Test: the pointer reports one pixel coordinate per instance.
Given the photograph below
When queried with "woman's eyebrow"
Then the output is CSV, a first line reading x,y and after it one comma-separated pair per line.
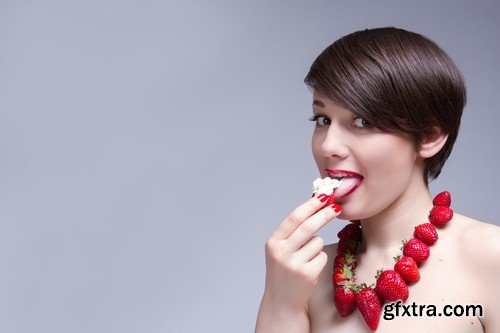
x,y
318,103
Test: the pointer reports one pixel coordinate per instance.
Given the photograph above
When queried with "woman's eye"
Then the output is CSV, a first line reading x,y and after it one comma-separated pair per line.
x,y
320,120
361,123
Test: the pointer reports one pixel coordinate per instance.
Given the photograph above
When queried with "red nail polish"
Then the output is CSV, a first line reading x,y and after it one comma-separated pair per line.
x,y
322,197
336,208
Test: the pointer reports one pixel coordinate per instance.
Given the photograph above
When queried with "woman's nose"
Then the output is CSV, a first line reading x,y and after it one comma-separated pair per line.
x,y
335,143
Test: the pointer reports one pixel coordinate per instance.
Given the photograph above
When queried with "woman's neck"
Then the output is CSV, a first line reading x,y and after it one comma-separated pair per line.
x,y
395,223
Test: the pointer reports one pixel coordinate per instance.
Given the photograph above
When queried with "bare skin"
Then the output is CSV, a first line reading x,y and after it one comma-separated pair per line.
x,y
463,267
454,274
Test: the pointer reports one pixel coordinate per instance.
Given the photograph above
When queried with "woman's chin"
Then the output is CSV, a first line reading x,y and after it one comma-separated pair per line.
x,y
347,216
350,211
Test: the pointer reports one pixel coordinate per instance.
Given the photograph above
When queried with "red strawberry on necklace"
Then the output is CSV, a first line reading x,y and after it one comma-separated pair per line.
x,y
347,245
345,298
341,274
442,199
350,231
369,305
426,233
416,249
391,284
440,215
344,259
407,268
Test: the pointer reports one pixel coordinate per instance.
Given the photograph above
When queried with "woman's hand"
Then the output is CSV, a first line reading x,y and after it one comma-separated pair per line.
x,y
295,257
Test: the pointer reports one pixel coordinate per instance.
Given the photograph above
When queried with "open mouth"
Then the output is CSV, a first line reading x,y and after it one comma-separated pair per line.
x,y
349,182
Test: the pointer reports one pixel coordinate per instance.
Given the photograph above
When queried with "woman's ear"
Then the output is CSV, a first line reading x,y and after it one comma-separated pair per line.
x,y
432,142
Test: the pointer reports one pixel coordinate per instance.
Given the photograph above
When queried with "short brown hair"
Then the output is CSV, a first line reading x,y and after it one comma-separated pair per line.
x,y
397,80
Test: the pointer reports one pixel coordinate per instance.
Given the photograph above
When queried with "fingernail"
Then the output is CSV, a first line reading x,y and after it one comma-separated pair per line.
x,y
336,208
322,197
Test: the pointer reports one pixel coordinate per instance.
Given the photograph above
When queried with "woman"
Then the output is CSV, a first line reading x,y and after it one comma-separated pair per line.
x,y
387,105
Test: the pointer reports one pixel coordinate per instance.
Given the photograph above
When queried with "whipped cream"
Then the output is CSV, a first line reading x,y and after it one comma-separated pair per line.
x,y
325,185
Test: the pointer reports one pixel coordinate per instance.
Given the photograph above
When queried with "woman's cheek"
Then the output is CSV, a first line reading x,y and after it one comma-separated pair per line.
x,y
393,156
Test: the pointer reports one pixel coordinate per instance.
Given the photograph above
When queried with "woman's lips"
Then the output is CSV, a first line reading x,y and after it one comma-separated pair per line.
x,y
335,172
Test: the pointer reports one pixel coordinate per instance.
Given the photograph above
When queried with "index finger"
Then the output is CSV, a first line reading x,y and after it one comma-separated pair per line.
x,y
297,217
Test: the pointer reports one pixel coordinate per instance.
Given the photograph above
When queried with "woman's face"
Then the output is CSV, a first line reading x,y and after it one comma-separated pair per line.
x,y
386,161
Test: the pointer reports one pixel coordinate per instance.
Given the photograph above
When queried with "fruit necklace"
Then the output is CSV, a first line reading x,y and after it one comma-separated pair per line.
x,y
391,284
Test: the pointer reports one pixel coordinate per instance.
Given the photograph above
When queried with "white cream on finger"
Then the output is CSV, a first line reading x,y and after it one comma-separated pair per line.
x,y
326,185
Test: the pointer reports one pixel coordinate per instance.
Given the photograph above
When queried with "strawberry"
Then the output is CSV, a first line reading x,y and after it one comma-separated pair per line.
x,y
416,249
370,306
344,299
426,233
407,268
344,259
442,199
341,274
347,245
440,215
350,231
391,286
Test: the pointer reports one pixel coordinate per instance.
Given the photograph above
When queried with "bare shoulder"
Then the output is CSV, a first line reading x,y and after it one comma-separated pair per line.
x,y
479,248
478,241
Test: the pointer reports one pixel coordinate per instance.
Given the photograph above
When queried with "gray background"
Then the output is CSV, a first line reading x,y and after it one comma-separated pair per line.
x,y
149,148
